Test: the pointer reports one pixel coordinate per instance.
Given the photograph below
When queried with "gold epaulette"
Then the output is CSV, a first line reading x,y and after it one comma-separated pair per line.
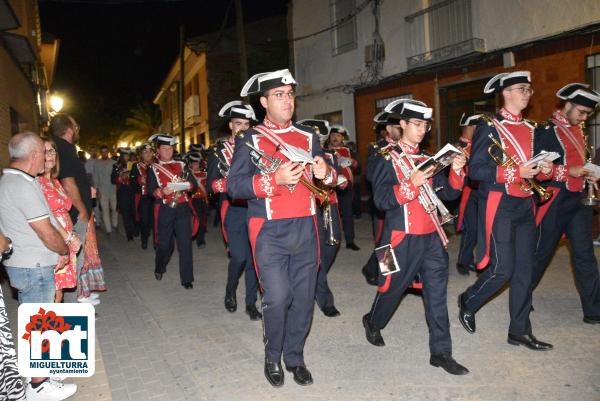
x,y
374,145
487,119
531,122
385,152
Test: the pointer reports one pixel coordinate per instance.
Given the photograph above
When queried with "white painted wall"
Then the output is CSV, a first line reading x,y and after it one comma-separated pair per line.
x,y
501,23
510,22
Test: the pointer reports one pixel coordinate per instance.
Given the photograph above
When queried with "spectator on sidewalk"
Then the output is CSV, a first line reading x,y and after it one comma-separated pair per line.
x,y
38,247
74,180
107,191
60,204
89,169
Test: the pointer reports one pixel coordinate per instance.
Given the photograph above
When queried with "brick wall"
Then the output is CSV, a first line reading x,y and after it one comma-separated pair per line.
x,y
16,93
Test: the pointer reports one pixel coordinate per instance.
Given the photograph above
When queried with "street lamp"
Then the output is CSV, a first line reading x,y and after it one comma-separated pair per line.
x,y
56,103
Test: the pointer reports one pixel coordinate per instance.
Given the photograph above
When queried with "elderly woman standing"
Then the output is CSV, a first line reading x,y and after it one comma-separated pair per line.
x,y
60,204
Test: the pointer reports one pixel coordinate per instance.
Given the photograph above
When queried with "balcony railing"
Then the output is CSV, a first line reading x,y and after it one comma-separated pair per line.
x,y
441,32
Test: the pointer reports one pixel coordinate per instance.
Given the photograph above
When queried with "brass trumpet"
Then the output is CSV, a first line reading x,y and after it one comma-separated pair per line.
x,y
322,195
530,185
590,199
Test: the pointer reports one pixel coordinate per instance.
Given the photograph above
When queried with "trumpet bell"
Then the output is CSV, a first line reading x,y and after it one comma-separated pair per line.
x,y
593,201
447,218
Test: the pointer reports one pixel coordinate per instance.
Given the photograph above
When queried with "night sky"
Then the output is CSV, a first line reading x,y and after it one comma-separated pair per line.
x,y
115,54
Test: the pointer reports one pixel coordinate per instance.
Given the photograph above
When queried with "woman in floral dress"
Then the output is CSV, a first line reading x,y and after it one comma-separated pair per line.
x,y
60,204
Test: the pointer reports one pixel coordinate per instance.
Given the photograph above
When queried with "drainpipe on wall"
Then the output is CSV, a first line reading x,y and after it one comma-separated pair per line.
x,y
436,107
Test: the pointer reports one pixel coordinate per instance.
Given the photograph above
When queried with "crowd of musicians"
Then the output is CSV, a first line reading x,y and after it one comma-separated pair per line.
x,y
283,191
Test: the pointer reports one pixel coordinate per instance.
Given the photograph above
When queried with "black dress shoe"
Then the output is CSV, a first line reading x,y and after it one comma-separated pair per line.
x,y
529,341
353,246
301,375
253,312
371,280
201,244
158,276
591,319
273,373
462,269
230,303
446,362
188,286
331,311
467,319
373,334
145,245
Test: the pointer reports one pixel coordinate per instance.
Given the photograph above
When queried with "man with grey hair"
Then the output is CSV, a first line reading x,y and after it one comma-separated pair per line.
x,y
38,248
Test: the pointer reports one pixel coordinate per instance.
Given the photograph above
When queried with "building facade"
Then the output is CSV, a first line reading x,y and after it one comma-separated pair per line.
x,y
439,51
26,70
195,107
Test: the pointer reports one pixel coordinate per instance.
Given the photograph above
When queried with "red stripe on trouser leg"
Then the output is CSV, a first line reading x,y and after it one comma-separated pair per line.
x,y
224,207
543,209
464,199
490,213
254,226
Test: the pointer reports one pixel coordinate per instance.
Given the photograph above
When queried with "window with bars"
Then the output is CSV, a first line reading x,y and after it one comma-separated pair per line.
x,y
592,73
343,37
381,103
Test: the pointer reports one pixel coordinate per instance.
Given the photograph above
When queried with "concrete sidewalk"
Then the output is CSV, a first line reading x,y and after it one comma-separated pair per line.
x,y
161,342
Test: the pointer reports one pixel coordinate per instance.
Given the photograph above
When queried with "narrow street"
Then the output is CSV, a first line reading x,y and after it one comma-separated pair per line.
x,y
161,342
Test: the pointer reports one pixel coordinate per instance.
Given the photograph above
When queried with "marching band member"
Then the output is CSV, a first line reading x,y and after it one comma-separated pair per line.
x,y
387,123
467,214
330,230
414,231
200,196
125,195
234,212
282,223
506,218
173,214
337,135
143,199
565,213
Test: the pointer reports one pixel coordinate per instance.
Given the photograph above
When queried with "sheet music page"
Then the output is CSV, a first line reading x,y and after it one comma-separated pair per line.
x,y
296,154
543,155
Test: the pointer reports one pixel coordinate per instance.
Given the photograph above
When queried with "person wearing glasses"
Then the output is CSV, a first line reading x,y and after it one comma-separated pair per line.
x,y
565,213
506,240
275,178
74,179
413,230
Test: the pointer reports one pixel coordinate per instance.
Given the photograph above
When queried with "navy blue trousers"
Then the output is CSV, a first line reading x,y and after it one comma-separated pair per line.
x,y
345,206
566,215
201,208
468,238
286,255
126,206
512,246
424,255
175,223
323,294
146,213
240,253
